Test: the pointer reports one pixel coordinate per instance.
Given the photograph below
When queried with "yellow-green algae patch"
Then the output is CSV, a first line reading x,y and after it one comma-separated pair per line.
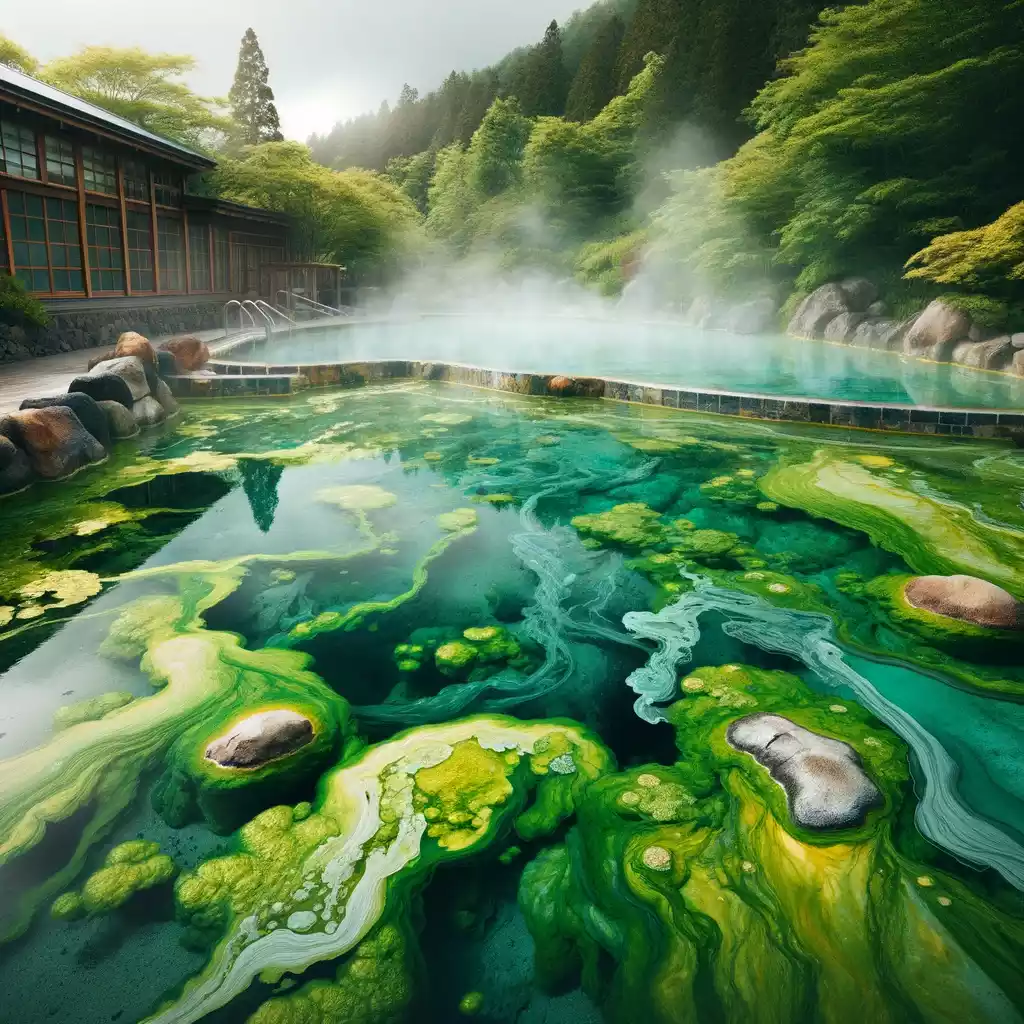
x,y
366,843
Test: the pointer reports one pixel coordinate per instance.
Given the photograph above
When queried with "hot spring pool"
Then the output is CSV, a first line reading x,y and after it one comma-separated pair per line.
x,y
651,353
419,701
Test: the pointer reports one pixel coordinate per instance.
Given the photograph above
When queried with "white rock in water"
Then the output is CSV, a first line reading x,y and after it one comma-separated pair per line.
x,y
965,598
823,778
301,921
260,738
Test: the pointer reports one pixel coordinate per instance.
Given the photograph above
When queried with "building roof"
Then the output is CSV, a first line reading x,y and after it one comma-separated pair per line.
x,y
31,94
208,204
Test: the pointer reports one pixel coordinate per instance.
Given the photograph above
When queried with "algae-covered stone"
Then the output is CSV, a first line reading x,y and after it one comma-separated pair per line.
x,y
966,598
455,659
120,421
260,738
825,783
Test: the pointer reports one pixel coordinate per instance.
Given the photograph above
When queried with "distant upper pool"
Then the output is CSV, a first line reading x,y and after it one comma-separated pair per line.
x,y
655,353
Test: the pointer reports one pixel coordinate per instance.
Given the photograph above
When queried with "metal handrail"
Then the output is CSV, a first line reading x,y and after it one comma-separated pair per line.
x,y
251,308
241,311
273,311
318,306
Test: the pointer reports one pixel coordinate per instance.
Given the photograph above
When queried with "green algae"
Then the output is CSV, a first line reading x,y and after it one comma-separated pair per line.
x,y
90,709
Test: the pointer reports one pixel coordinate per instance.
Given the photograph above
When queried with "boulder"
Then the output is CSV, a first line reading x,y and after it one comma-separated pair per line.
x,y
563,386
84,407
189,353
103,387
259,738
841,329
825,784
980,333
120,421
148,412
877,308
162,393
1017,340
879,333
818,310
996,354
132,344
165,364
54,440
936,331
102,358
701,312
1017,366
132,371
859,292
15,471
965,598
754,317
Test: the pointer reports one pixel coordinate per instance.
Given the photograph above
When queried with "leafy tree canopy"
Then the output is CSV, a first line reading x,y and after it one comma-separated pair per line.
x,y
142,87
15,56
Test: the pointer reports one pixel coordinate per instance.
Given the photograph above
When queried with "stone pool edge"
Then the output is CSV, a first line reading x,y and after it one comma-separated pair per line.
x,y
249,380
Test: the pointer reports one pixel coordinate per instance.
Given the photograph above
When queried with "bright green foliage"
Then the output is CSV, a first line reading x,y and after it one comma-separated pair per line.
x,y
496,152
412,175
17,306
142,87
988,259
251,98
129,868
449,198
356,218
15,56
603,264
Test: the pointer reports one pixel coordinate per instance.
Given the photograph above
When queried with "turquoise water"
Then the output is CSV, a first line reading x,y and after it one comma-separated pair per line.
x,y
338,551
653,353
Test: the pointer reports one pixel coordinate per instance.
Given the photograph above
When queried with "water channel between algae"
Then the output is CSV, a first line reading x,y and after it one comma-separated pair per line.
x,y
508,643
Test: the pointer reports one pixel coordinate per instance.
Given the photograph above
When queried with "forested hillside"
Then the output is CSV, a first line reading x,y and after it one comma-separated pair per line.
x,y
717,55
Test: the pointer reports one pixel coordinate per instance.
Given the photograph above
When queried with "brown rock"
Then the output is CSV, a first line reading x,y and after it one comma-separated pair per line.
x,y
54,440
132,344
189,353
965,598
562,386
260,738
936,331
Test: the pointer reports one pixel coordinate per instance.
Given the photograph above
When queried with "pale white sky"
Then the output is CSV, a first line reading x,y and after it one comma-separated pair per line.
x,y
328,60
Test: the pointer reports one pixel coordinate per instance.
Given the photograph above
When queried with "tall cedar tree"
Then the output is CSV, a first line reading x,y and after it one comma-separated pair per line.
x,y
654,28
252,99
594,83
543,87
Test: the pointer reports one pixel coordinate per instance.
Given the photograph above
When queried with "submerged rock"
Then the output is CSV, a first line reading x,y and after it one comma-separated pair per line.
x,y
965,598
262,737
825,784
148,412
84,407
120,421
54,440
162,393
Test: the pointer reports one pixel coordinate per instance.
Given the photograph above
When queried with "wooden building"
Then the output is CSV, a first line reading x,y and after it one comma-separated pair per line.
x,y
96,207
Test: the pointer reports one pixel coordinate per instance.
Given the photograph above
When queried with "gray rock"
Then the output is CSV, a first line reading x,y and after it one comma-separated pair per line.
x,y
259,738
815,313
936,331
842,328
1017,340
84,407
754,317
860,293
103,387
16,472
120,421
54,440
162,393
877,308
879,333
979,333
131,370
148,412
995,354
825,784
1017,366
966,598
165,364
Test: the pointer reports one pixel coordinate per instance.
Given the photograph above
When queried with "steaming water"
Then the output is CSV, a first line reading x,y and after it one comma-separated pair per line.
x,y
654,353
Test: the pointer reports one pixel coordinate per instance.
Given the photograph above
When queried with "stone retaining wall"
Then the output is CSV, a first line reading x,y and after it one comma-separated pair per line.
x,y
250,380
71,330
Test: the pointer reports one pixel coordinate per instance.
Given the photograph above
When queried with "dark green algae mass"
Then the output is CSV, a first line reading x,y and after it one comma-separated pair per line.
x,y
669,891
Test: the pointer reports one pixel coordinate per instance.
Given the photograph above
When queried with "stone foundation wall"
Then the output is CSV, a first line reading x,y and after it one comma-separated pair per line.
x,y
72,330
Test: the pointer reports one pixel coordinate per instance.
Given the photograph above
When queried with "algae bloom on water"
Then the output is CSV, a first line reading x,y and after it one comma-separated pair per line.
x,y
456,707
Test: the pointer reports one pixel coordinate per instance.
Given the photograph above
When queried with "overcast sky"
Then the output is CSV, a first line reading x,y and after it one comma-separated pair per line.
x,y
328,59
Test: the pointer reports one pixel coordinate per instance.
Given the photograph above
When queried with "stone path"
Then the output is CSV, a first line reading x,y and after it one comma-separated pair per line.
x,y
51,375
